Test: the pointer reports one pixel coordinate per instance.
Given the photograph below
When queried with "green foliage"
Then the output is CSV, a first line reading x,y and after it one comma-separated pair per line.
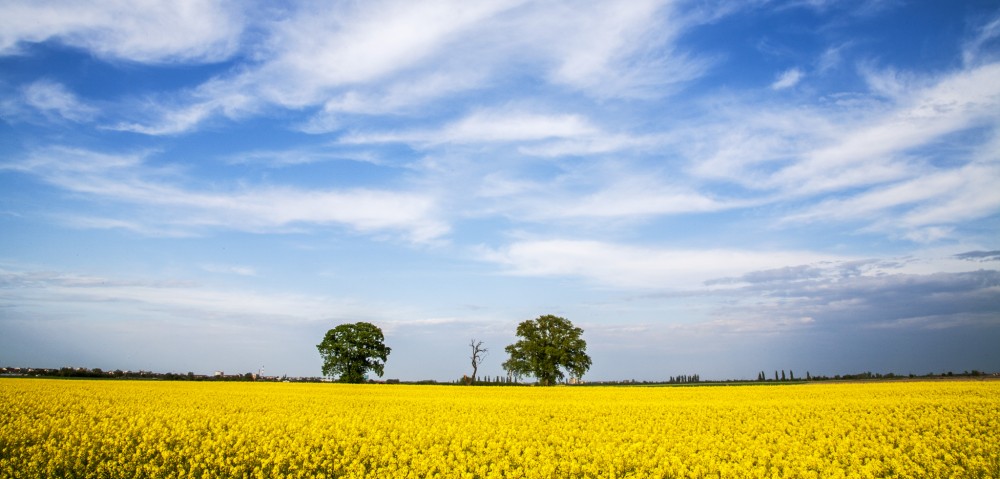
x,y
548,345
349,351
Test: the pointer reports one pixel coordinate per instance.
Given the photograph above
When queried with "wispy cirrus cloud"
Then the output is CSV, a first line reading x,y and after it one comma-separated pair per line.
x,y
173,116
956,102
788,79
163,202
848,162
54,101
315,54
159,32
635,197
939,198
976,50
238,270
523,130
320,48
601,195
387,56
490,126
858,160
811,151
618,51
302,156
636,267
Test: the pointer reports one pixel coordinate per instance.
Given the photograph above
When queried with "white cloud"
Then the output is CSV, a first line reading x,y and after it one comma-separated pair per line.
x,y
871,159
973,50
229,269
637,267
954,103
865,153
600,48
391,56
126,180
616,198
153,31
406,94
891,83
333,55
920,204
137,225
924,195
301,156
515,126
614,50
53,99
320,48
215,97
624,200
171,122
831,58
590,145
490,126
745,144
788,79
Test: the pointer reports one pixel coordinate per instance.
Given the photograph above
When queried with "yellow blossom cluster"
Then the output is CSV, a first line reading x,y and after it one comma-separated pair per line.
x,y
147,429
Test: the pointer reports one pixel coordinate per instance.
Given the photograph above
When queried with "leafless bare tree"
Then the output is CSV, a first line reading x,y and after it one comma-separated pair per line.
x,y
478,355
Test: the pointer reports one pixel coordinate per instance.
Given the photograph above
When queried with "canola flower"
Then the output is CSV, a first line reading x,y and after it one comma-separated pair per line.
x,y
136,429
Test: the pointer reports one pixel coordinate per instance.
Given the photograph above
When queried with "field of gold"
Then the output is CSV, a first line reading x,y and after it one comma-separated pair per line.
x,y
135,429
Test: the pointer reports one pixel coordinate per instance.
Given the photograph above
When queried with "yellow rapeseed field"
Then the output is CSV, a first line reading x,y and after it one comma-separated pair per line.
x,y
134,429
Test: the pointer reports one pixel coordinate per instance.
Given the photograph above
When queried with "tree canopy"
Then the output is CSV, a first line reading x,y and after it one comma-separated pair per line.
x,y
547,346
349,351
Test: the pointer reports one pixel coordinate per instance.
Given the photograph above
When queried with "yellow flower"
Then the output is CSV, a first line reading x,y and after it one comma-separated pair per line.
x,y
128,429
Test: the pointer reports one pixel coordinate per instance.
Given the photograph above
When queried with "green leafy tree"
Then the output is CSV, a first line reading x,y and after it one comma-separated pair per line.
x,y
349,351
548,346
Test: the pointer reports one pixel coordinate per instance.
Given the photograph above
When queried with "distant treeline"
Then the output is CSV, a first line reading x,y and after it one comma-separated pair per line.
x,y
871,375
778,377
98,373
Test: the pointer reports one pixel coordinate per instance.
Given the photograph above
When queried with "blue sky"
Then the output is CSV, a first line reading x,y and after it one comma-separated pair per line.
x,y
704,187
